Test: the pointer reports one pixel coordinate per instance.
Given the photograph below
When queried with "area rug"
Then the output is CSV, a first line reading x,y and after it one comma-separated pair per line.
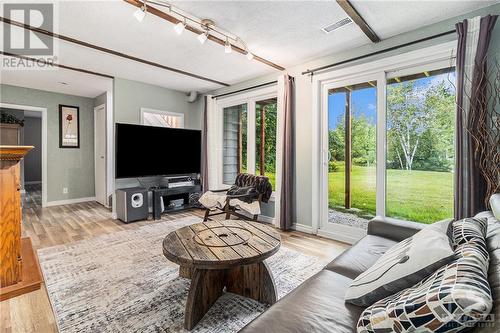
x,y
121,282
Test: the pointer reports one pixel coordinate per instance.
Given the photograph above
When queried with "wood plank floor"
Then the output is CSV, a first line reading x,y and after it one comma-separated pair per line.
x,y
63,224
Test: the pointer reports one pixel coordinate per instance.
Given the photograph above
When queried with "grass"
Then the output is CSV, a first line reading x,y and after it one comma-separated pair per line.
x,y
422,196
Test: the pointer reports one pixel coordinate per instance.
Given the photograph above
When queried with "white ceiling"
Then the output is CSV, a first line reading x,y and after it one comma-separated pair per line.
x,y
285,32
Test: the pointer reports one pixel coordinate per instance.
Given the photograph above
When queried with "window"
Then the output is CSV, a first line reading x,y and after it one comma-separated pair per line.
x,y
235,142
420,145
248,135
162,118
265,138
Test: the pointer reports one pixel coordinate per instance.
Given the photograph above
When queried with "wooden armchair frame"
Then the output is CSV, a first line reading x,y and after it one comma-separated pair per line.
x,y
230,210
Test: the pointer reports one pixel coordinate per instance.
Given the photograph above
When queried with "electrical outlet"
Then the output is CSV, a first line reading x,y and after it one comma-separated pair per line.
x,y
65,190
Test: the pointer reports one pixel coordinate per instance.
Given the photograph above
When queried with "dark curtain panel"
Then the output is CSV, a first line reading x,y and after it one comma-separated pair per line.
x,y
204,148
469,182
287,169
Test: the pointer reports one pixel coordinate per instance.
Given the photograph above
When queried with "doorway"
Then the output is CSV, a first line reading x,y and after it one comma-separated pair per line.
x,y
100,154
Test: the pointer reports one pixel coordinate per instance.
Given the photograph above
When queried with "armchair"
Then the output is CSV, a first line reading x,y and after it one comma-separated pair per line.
x,y
247,189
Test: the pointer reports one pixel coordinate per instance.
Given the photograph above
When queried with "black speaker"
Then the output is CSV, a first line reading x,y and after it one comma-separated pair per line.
x,y
132,204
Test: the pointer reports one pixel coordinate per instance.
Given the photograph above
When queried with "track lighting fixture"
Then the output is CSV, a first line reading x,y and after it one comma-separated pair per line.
x,y
202,38
227,46
249,55
179,27
141,12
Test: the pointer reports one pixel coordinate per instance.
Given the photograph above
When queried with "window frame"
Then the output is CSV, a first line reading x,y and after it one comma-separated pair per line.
x,y
379,70
162,112
249,98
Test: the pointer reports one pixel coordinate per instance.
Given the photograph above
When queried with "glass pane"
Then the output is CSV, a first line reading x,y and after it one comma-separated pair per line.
x,y
162,120
352,119
265,139
420,146
235,142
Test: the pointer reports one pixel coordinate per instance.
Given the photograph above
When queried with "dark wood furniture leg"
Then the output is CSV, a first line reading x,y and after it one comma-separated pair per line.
x,y
207,285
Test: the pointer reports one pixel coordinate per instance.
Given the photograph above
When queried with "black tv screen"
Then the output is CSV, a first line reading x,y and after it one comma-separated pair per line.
x,y
143,151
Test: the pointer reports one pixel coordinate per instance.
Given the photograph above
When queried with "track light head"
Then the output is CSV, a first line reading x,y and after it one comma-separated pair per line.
x,y
140,13
179,27
227,47
202,38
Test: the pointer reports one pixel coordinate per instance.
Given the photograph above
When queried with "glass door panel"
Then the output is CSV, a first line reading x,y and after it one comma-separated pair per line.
x,y
420,145
235,142
265,138
352,122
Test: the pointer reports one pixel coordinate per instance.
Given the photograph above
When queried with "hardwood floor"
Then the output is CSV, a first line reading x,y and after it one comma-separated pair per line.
x,y
63,224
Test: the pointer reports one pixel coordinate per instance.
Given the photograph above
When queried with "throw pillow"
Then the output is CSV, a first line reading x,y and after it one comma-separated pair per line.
x,y
403,265
452,299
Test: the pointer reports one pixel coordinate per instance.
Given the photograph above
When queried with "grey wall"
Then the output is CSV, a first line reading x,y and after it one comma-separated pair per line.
x,y
71,168
303,95
130,96
99,100
33,161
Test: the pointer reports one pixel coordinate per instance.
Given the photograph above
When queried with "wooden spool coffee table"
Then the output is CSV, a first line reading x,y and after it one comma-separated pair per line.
x,y
223,255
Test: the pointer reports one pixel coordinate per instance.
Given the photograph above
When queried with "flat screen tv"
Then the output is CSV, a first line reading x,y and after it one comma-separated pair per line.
x,y
143,151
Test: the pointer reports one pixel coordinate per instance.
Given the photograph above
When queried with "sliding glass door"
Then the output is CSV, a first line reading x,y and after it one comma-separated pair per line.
x,y
420,145
386,148
350,144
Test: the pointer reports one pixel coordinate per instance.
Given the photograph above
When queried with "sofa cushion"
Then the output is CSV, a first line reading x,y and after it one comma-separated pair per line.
x,y
405,264
360,256
315,306
452,299
394,229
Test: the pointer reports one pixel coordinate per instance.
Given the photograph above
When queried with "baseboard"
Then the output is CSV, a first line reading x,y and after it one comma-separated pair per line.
x,y
302,228
261,218
69,201
36,182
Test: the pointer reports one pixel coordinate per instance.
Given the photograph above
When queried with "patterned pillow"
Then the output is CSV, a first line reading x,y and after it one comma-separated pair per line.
x,y
452,299
403,265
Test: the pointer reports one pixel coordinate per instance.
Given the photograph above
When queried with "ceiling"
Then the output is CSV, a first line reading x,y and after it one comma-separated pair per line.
x,y
285,32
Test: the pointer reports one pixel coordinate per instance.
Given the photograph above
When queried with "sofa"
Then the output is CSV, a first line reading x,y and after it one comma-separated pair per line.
x,y
317,305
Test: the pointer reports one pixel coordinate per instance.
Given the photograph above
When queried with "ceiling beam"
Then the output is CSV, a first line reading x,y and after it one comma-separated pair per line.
x,y
361,23
109,51
174,20
76,69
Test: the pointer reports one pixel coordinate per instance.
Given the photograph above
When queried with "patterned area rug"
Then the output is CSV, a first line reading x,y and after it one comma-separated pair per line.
x,y
122,282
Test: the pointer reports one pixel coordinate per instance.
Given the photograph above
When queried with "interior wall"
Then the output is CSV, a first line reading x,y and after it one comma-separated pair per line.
x,y
131,96
303,96
66,167
33,161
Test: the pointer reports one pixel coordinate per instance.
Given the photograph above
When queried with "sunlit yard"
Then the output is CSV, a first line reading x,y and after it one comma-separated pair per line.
x,y
423,196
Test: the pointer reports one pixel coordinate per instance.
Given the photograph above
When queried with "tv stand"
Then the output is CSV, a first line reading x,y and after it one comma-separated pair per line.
x,y
174,193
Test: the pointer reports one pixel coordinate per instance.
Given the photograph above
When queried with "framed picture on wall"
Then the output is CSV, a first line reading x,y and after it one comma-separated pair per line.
x,y
69,126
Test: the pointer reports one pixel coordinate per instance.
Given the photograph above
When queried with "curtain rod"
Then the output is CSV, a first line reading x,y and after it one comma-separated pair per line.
x,y
245,89
312,71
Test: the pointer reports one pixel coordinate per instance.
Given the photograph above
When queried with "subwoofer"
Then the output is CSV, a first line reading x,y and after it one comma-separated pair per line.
x,y
132,204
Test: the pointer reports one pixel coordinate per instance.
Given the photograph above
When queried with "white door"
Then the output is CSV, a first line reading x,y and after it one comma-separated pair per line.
x,y
100,153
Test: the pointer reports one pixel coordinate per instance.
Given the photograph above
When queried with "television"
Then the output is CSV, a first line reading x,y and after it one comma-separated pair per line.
x,y
143,151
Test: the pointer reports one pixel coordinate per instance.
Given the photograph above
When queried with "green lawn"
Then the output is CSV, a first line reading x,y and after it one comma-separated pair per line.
x,y
423,196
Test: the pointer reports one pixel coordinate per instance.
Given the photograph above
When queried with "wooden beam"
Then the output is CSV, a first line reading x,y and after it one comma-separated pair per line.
x,y
109,51
174,20
76,69
360,22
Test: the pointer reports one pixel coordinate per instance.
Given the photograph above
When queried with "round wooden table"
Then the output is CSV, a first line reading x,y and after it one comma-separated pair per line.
x,y
223,255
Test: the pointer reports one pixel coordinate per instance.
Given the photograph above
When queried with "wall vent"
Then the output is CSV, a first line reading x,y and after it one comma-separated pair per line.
x,y
337,25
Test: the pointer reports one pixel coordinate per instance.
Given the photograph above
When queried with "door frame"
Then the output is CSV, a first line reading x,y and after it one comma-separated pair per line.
x,y
44,142
341,232
376,68
250,98
97,108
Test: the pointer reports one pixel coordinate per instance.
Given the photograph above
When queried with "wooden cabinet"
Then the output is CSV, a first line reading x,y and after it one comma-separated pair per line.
x,y
19,270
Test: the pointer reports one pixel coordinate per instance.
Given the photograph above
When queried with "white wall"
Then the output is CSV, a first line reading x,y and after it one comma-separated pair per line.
x,y
303,95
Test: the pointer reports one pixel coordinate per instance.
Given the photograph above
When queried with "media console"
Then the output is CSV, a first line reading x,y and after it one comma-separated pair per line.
x,y
171,195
